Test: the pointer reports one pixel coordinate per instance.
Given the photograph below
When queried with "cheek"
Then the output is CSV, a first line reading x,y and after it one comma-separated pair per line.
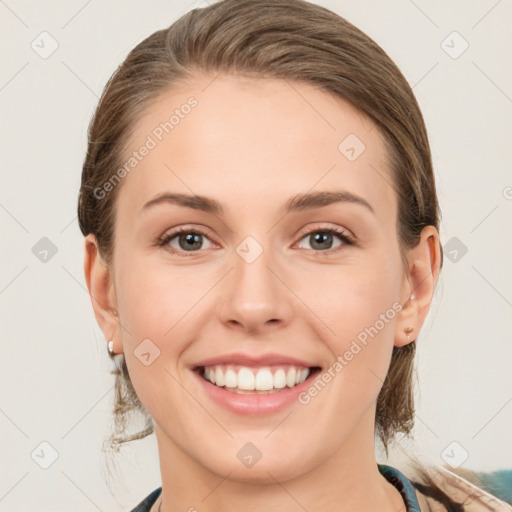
x,y
359,306
157,301
158,307
352,297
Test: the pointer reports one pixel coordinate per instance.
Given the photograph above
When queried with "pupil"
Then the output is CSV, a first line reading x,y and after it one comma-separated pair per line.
x,y
193,239
318,238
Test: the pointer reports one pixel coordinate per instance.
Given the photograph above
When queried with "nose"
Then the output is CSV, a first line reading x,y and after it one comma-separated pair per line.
x,y
256,296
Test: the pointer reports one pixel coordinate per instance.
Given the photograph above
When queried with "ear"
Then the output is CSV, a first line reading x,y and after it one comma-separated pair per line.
x,y
424,264
102,292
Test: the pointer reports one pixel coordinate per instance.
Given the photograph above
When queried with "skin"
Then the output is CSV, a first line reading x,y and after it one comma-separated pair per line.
x,y
251,144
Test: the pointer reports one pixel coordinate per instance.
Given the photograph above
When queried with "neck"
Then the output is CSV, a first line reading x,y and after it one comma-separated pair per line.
x,y
348,480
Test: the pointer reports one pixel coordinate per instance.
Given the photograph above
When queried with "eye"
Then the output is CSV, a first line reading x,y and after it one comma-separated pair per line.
x,y
187,240
321,240
183,240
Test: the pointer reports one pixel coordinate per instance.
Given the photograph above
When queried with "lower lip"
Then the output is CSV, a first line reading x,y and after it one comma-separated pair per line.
x,y
254,405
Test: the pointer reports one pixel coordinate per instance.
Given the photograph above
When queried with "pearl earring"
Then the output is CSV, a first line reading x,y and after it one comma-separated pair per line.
x,y
111,348
408,331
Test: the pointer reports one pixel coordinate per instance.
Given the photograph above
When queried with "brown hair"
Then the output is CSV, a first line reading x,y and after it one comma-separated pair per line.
x,y
283,39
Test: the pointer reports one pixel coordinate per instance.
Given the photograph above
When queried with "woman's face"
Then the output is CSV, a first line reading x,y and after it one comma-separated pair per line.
x,y
259,288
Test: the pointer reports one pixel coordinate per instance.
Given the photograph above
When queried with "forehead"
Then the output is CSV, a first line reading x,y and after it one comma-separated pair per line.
x,y
242,139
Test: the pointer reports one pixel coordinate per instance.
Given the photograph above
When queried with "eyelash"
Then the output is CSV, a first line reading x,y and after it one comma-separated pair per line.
x,y
342,234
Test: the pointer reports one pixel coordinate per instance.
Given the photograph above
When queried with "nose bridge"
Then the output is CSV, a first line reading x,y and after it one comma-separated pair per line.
x,y
253,278
256,295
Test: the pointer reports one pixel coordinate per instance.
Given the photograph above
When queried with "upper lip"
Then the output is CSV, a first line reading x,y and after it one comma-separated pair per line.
x,y
242,359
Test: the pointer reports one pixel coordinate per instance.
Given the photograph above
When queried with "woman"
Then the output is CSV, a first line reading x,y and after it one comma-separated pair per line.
x,y
261,251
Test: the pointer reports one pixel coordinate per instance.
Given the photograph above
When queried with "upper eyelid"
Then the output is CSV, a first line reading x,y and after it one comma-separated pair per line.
x,y
337,230
179,230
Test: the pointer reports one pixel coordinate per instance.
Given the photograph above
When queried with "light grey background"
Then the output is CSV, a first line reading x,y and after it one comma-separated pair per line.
x,y
55,381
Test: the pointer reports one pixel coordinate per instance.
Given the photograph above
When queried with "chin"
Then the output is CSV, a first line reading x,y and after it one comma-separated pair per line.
x,y
266,470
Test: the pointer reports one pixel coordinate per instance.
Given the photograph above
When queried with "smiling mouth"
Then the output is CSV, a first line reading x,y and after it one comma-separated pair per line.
x,y
256,381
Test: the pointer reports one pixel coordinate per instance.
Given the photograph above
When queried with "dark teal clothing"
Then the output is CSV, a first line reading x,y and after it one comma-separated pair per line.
x,y
148,501
498,483
400,481
392,475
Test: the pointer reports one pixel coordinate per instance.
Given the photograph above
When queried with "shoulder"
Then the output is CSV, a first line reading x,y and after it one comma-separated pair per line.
x,y
460,490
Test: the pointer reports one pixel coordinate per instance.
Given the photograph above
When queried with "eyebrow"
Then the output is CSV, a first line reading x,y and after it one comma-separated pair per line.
x,y
299,202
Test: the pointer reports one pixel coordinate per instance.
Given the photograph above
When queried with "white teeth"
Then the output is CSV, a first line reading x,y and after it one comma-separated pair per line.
x,y
248,379
264,380
230,379
290,377
245,379
219,377
280,379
